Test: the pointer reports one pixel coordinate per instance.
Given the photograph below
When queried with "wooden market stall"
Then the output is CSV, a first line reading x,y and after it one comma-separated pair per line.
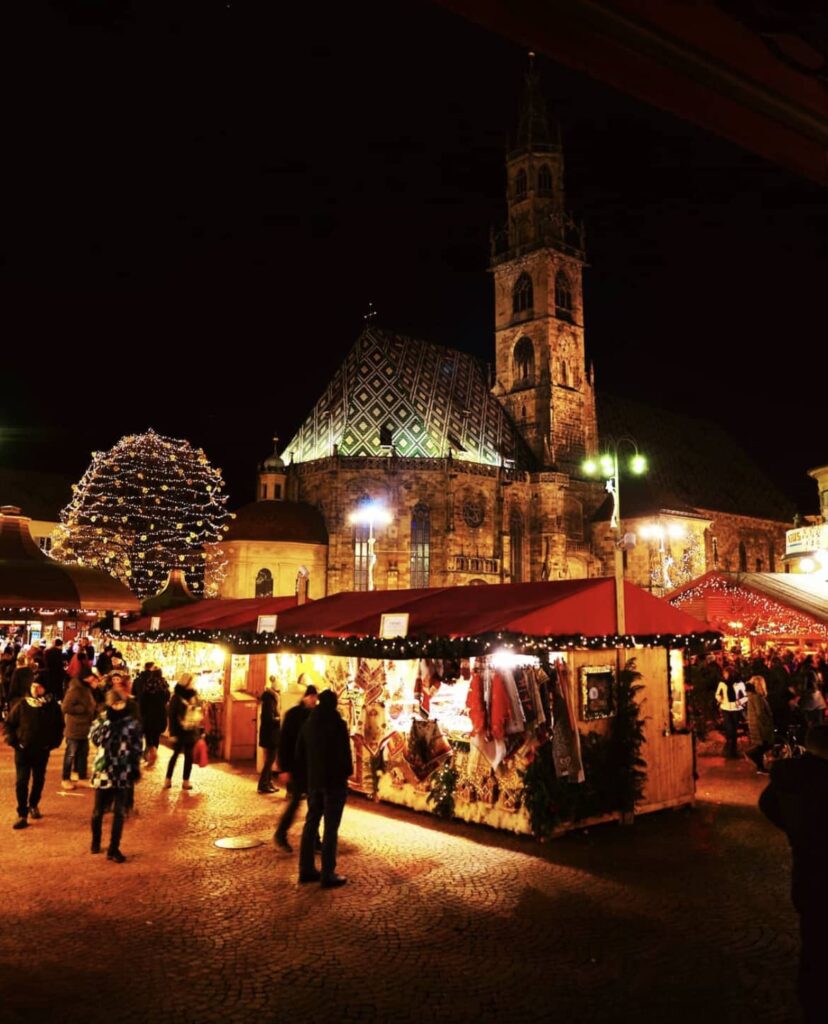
x,y
423,675
186,639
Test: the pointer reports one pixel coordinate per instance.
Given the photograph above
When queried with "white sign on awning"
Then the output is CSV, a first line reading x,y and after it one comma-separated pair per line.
x,y
804,540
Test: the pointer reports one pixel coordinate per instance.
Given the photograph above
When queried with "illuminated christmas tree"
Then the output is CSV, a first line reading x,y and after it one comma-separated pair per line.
x,y
149,505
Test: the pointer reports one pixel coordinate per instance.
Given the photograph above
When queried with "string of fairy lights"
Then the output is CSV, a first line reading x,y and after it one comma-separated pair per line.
x,y
750,613
148,505
406,648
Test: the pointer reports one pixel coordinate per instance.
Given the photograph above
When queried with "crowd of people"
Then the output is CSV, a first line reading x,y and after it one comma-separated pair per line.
x,y
49,694
772,695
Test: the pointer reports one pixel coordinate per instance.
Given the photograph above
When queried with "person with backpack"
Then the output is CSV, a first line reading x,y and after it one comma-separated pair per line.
x,y
117,734
186,717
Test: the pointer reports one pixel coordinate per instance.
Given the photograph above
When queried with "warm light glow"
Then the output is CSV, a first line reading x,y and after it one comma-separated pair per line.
x,y
607,465
675,531
638,464
507,659
370,514
822,557
807,565
590,467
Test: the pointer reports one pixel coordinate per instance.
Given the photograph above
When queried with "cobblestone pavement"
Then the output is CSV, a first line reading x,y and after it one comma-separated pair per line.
x,y
684,916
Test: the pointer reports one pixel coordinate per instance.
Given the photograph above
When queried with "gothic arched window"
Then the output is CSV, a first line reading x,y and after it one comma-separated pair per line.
x,y
545,181
522,296
264,583
742,557
420,545
520,184
515,547
563,296
524,357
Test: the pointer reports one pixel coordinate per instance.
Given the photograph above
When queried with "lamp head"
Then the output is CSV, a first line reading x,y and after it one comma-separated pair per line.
x,y
638,464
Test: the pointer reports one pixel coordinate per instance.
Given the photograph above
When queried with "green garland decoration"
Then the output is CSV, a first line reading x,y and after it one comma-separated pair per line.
x,y
441,790
626,740
247,642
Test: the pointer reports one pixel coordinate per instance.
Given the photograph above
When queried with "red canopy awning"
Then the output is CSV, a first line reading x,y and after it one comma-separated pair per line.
x,y
566,607
216,613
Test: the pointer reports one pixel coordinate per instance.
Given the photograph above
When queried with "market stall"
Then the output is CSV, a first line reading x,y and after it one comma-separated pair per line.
x,y
514,706
41,598
227,683
754,610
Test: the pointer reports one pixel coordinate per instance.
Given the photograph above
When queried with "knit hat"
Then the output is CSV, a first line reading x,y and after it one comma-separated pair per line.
x,y
327,700
311,690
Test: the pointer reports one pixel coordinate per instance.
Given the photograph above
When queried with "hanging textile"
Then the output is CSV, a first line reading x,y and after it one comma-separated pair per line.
x,y
566,740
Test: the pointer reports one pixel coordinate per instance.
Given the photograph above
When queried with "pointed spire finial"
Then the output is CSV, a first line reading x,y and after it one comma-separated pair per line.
x,y
371,316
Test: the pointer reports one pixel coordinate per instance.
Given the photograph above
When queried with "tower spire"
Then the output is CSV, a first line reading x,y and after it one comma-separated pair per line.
x,y
534,134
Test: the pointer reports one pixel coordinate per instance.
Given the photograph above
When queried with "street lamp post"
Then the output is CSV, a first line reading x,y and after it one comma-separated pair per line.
x,y
607,466
369,514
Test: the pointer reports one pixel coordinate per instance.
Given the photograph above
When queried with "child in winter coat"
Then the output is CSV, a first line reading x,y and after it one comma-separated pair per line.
x,y
117,734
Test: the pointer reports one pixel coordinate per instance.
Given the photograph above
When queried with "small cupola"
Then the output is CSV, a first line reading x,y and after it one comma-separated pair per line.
x,y
271,481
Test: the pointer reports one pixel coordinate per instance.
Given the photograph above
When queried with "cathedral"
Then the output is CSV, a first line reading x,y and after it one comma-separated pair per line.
x,y
419,467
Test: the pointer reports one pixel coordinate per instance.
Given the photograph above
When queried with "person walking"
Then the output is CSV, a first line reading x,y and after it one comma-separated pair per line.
x,y
291,727
185,717
79,707
811,701
153,696
760,722
730,696
324,754
34,728
796,801
269,729
117,734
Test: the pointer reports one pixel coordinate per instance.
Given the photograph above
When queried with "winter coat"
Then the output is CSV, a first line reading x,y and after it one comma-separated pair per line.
x,y
797,802
184,703
119,738
269,724
103,663
323,753
35,723
153,698
760,719
289,736
21,683
55,665
79,707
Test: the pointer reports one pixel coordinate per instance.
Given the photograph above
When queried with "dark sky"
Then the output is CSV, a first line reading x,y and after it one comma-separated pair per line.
x,y
200,200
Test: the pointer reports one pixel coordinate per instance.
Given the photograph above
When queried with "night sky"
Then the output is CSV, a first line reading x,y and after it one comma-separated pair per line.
x,y
200,201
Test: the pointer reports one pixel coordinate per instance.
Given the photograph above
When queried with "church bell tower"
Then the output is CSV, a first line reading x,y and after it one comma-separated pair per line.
x,y
538,262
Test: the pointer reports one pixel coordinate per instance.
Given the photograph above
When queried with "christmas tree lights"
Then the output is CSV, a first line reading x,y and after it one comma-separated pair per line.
x,y
149,505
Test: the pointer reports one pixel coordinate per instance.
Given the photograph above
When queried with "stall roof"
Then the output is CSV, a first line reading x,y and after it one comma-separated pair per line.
x,y
566,607
806,594
30,579
216,613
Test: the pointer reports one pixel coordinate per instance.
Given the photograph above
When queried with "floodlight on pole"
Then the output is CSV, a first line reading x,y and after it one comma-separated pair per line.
x,y
606,465
369,514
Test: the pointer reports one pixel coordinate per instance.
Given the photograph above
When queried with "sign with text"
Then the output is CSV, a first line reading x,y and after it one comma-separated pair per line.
x,y
266,623
804,540
393,625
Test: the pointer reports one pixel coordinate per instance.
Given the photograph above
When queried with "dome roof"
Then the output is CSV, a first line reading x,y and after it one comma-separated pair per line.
x,y
273,462
31,579
294,521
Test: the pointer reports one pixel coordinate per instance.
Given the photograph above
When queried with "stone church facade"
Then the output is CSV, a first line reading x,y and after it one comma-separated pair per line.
x,y
481,479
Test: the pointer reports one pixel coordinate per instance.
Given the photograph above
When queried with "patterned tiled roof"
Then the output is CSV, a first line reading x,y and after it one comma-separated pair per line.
x,y
693,462
424,399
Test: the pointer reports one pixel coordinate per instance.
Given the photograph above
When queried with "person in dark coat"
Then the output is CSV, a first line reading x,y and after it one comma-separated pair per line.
x,y
185,717
117,734
7,666
54,667
153,696
21,680
796,801
269,728
103,662
288,738
34,728
324,751
79,708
